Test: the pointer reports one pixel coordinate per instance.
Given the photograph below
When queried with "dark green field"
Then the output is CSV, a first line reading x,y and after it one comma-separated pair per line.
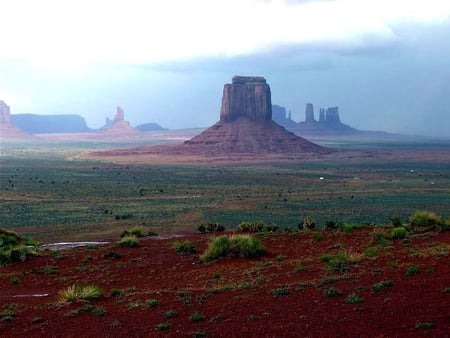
x,y
46,194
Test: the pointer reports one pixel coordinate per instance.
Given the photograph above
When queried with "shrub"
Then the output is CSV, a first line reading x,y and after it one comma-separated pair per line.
x,y
271,228
424,219
331,225
201,228
14,280
332,292
74,293
424,325
196,317
137,231
215,227
281,291
353,299
379,237
349,227
280,257
383,285
152,302
342,261
163,326
412,270
128,242
14,248
115,292
307,224
318,236
251,226
238,245
170,314
115,324
444,224
371,252
395,221
184,247
111,255
398,233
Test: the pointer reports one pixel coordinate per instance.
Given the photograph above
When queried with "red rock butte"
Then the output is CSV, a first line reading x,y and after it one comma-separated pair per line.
x,y
246,125
7,127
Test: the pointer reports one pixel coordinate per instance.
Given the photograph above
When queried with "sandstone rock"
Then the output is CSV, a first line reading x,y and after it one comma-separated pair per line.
x,y
309,113
322,115
5,113
120,115
7,127
118,126
246,96
332,115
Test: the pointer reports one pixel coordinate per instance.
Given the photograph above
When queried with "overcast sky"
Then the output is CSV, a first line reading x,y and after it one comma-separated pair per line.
x,y
385,63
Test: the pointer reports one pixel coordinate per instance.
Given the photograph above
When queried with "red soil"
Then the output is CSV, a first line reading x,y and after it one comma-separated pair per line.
x,y
234,294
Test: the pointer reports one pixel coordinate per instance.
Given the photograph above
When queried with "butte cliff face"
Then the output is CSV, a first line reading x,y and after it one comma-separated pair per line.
x,y
7,127
246,96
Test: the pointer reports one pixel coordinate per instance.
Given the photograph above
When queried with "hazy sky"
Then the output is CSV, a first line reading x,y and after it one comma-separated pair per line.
x,y
385,63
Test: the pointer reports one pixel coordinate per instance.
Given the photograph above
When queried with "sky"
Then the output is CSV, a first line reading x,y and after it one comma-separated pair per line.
x,y
384,63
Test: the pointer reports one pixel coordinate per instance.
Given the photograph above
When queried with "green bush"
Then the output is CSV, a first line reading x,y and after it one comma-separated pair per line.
x,y
14,248
170,314
237,245
353,299
307,224
163,326
423,218
196,317
396,221
152,302
75,293
424,325
383,285
252,226
184,247
398,233
412,270
137,231
281,291
332,292
128,242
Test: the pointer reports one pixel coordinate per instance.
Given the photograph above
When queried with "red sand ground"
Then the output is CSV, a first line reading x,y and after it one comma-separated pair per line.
x,y
234,294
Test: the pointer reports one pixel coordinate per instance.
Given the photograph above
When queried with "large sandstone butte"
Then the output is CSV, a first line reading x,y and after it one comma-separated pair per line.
x,y
7,127
246,125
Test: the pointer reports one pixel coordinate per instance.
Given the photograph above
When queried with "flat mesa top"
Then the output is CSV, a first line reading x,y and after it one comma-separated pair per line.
x,y
246,79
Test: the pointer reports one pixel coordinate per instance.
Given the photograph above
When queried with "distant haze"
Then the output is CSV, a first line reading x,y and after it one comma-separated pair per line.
x,y
384,63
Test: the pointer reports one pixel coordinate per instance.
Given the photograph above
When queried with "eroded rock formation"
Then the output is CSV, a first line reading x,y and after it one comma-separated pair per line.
x,y
118,126
246,96
7,127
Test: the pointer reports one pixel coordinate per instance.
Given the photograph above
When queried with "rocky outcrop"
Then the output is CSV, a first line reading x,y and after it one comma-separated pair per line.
x,y
309,113
151,126
7,127
247,96
118,126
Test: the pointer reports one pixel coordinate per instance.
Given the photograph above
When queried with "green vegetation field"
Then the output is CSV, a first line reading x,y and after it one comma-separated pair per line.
x,y
47,194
